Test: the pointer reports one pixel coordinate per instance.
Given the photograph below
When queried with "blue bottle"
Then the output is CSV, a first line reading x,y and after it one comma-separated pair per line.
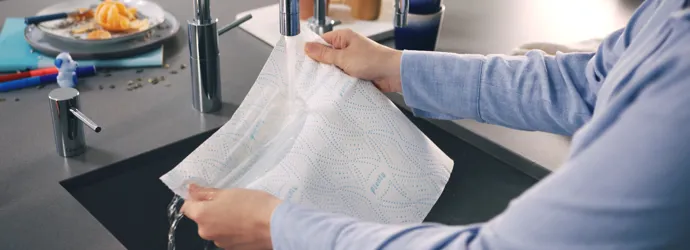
x,y
425,7
424,24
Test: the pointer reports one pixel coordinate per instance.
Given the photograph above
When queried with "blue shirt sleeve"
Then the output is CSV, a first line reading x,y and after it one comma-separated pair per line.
x,y
531,92
540,92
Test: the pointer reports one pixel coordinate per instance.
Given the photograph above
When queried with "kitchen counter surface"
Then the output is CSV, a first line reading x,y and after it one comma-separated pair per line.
x,y
38,213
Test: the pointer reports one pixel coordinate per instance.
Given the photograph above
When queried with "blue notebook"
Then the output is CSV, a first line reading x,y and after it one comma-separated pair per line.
x,y
15,53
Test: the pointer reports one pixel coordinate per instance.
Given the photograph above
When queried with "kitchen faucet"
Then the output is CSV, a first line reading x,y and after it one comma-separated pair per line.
x,y
204,56
68,121
320,23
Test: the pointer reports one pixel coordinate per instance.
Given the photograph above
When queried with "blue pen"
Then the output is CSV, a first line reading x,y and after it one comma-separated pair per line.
x,y
38,80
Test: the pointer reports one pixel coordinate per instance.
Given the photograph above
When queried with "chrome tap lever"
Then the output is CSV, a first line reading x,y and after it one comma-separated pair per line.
x,y
234,24
67,122
86,120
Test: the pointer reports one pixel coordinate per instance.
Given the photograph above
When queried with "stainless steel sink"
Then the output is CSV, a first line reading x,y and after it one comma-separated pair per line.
x,y
130,201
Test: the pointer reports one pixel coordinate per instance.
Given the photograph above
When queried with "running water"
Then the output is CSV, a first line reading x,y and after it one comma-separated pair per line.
x,y
291,61
174,217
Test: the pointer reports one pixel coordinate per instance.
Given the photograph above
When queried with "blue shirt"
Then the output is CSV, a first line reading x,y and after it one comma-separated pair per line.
x,y
626,182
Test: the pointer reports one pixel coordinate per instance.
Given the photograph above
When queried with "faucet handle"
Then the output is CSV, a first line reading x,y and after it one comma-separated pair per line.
x,y
234,24
327,26
85,119
67,122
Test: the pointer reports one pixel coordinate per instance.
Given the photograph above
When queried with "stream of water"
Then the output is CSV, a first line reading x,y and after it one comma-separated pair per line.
x,y
174,217
291,43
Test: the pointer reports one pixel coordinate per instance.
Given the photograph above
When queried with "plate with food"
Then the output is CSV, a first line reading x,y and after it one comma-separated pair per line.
x,y
94,22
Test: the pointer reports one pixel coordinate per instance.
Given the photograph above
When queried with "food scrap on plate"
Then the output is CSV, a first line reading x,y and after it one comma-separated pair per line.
x,y
108,17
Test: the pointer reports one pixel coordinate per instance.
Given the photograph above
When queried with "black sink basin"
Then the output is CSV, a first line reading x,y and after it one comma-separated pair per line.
x,y
130,201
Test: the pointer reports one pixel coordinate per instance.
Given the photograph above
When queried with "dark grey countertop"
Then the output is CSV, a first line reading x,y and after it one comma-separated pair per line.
x,y
36,212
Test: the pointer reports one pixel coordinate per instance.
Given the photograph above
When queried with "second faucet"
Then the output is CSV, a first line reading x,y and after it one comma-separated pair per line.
x,y
320,23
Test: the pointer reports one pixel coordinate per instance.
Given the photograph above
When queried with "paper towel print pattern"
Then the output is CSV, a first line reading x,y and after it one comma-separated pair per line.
x,y
341,147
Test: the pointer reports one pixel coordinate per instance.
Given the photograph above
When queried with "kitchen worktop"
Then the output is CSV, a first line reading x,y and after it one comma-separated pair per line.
x,y
36,212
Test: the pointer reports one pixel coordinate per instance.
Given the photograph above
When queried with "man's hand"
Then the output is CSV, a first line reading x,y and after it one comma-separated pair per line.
x,y
360,57
232,219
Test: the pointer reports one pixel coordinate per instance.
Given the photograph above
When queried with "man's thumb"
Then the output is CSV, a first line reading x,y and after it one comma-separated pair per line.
x,y
321,53
199,193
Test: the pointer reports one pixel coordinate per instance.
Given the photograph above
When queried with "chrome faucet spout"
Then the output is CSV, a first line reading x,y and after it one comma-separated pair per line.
x,y
202,11
320,12
204,56
289,17
402,8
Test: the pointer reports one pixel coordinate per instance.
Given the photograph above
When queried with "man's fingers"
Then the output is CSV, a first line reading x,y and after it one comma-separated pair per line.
x,y
339,39
199,193
322,53
192,209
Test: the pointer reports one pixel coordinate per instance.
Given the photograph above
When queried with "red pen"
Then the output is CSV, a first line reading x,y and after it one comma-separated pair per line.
x,y
30,73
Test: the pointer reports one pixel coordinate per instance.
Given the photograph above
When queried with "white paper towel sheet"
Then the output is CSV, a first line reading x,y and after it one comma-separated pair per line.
x,y
322,139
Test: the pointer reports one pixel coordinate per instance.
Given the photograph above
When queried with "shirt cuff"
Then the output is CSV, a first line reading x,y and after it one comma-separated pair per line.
x,y
441,85
279,225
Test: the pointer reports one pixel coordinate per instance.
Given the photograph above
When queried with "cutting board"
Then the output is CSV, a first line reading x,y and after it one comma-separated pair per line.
x,y
265,24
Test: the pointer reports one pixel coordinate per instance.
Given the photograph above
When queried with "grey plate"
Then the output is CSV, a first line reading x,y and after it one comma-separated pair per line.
x,y
145,9
50,46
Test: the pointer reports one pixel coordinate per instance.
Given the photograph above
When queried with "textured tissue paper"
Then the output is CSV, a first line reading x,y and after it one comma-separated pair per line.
x,y
318,137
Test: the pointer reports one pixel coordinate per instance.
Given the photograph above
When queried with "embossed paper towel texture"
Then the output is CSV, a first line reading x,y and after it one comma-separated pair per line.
x,y
345,148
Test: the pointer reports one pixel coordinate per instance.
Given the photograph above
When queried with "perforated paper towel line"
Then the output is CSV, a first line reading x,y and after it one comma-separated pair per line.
x,y
336,143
